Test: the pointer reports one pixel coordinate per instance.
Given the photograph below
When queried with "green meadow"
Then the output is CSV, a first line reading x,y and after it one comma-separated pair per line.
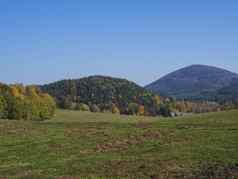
x,y
96,145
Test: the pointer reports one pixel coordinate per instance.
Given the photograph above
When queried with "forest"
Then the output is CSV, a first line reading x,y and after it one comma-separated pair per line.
x,y
26,103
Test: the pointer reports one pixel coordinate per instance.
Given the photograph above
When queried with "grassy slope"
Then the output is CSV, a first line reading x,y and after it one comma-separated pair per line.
x,y
82,144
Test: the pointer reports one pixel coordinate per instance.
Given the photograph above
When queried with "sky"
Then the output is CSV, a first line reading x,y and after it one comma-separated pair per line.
x,y
141,40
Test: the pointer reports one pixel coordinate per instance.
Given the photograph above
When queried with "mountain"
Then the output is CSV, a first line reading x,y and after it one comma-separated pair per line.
x,y
196,82
101,93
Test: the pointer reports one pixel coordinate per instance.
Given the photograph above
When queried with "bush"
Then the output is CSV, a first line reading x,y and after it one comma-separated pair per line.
x,y
133,108
94,108
165,110
115,109
83,107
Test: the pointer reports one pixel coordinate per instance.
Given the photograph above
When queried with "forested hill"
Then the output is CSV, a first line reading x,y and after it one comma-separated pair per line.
x,y
101,93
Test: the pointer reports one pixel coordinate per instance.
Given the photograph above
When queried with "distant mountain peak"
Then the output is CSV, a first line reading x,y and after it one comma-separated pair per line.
x,y
199,66
202,68
193,81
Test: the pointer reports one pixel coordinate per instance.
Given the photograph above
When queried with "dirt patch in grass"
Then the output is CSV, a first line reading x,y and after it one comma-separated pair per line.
x,y
9,130
218,172
53,147
67,177
143,125
21,129
144,169
152,135
23,174
155,169
126,143
79,132
118,145
84,177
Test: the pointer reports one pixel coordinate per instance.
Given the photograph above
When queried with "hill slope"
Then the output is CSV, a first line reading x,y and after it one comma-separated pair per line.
x,y
229,93
193,82
102,92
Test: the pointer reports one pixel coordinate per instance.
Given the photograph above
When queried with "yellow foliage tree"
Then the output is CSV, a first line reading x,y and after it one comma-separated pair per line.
x,y
157,100
14,91
32,91
115,109
141,110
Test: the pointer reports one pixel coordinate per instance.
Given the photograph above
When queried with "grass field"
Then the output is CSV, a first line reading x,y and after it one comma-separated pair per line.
x,y
90,145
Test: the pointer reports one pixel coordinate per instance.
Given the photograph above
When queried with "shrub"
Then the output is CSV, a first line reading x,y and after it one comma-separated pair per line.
x,y
133,108
94,108
115,109
83,107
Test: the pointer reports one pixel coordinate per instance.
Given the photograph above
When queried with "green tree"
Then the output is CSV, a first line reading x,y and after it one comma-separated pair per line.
x,y
48,107
15,108
67,103
133,108
165,110
3,107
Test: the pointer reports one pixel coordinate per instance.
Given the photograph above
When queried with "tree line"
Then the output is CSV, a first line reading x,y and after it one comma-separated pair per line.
x,y
95,94
27,103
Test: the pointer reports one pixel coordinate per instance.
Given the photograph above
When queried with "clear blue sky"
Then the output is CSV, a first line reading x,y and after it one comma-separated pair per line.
x,y
141,40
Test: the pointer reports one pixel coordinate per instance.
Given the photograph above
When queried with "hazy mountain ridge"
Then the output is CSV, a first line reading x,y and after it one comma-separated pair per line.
x,y
194,82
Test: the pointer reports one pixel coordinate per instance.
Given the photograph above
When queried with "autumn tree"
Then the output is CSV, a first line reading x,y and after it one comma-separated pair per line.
x,y
141,110
27,103
115,109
